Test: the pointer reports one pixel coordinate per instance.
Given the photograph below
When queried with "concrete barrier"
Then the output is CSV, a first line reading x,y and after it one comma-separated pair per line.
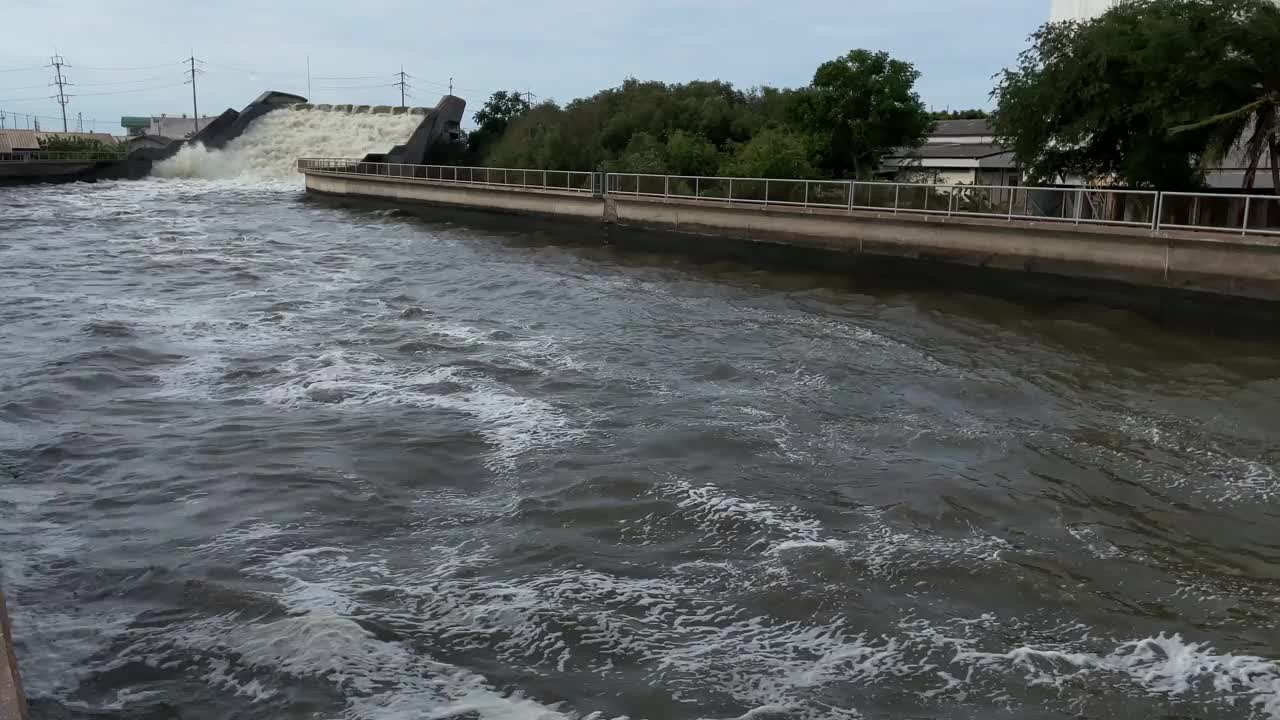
x,y
1219,265
13,702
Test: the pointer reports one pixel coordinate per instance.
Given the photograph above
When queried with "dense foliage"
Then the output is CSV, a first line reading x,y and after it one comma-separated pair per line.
x,y
859,107
83,145
493,118
974,114
1149,94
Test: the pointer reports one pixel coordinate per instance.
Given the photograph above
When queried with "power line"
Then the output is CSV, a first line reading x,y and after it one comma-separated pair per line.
x,y
125,82
23,69
129,69
402,84
130,91
194,71
57,63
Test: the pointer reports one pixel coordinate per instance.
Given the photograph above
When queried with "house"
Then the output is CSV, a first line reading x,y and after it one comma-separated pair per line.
x,y
957,152
22,144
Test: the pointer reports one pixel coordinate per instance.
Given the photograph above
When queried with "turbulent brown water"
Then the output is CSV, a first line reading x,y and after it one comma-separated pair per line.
x,y
262,457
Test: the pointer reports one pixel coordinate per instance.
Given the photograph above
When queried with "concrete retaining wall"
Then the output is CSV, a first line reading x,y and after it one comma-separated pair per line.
x,y
13,703
1217,265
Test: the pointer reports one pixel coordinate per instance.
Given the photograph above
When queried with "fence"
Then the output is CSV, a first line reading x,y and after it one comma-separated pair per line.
x,y
1221,213
25,157
559,180
1243,214
1074,205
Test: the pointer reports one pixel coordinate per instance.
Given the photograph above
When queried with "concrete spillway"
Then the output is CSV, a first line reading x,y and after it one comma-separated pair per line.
x,y
266,138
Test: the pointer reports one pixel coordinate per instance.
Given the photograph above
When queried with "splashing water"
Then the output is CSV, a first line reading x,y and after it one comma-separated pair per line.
x,y
271,146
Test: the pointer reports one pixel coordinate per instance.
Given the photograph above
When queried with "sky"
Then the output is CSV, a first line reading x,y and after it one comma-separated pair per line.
x,y
125,57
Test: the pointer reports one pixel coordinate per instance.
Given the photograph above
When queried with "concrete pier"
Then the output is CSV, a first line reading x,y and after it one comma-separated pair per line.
x,y
1199,262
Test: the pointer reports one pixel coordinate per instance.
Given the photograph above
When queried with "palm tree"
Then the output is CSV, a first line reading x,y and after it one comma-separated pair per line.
x,y
1260,121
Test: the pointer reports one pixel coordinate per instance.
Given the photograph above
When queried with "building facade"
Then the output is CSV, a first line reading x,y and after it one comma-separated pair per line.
x,y
174,127
957,152
1080,9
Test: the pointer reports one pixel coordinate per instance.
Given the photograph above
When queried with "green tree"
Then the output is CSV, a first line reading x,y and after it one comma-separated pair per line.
x,y
493,118
772,153
643,154
860,107
974,114
691,154
1255,126
1143,94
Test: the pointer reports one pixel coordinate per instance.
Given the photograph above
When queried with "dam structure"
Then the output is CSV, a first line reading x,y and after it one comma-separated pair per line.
x,y
262,139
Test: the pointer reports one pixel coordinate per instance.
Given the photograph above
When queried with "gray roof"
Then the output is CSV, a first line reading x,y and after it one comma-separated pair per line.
x,y
951,151
952,128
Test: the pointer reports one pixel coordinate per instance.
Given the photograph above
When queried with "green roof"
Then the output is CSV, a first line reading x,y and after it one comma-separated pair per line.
x,y
135,122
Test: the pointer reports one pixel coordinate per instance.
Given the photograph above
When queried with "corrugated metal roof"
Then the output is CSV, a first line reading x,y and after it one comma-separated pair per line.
x,y
27,140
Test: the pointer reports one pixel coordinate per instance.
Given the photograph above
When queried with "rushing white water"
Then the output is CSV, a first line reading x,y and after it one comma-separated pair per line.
x,y
271,146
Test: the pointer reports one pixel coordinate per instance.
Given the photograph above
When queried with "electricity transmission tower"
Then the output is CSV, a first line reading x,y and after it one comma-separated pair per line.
x,y
402,83
2,119
193,72
79,122
57,63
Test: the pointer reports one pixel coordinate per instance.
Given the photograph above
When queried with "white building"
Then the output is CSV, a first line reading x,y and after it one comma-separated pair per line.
x,y
1080,9
957,152
175,127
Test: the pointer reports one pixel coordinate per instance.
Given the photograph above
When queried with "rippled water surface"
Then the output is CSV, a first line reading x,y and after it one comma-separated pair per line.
x,y
264,457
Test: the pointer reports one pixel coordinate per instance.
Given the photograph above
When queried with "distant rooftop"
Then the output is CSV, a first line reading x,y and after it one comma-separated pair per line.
x,y
953,128
29,140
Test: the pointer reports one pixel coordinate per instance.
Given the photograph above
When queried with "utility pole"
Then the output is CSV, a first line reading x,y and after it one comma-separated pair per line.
x,y
402,83
308,77
57,63
193,72
450,86
2,117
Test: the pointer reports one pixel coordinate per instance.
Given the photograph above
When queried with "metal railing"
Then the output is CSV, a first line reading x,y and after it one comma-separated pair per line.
x,y
550,180
1242,214
1070,205
59,156
1149,209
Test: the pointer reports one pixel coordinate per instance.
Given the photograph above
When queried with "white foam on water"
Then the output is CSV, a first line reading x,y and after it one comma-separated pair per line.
x,y
1207,469
513,424
269,149
683,638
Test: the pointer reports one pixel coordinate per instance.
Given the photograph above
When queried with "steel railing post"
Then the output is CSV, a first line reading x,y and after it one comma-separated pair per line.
x,y
697,190
1158,213
666,187
897,190
1244,228
1079,203
951,199
852,189
730,191
806,194
1013,193
766,192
